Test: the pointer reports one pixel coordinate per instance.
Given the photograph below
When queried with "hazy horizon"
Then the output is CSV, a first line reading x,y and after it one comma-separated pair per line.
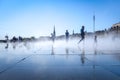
x,y
37,17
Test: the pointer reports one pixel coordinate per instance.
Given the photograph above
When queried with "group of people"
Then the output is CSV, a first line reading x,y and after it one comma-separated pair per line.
x,y
67,35
82,34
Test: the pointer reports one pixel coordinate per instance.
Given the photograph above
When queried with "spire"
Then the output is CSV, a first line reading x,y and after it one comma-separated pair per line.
x,y
94,22
54,32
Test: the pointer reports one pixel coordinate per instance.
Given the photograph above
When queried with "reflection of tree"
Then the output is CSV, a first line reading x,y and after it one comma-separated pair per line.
x,y
17,44
14,45
7,45
26,45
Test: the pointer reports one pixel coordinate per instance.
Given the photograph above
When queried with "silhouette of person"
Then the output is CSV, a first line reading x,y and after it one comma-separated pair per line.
x,y
82,34
67,35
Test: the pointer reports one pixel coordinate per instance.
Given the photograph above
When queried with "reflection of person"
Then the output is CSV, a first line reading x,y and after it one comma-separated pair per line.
x,y
95,39
67,51
82,34
83,57
95,48
67,35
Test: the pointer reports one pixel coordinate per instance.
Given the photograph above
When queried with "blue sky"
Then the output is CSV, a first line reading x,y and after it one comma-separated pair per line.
x,y
38,17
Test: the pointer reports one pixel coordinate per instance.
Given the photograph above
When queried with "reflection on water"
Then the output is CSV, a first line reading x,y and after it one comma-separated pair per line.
x,y
83,57
7,45
52,51
34,61
67,52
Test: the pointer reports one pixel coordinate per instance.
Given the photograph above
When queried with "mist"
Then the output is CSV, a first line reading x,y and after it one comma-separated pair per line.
x,y
106,43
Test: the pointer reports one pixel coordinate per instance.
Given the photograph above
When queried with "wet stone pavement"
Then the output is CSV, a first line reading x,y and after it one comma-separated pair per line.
x,y
33,61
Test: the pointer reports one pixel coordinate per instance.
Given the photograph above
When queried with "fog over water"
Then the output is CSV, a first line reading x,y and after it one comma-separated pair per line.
x,y
61,60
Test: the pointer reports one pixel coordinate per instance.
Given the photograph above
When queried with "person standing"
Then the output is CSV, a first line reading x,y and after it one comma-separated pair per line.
x,y
67,35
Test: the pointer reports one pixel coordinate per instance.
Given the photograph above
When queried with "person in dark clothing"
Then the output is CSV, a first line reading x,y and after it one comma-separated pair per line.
x,y
82,34
67,35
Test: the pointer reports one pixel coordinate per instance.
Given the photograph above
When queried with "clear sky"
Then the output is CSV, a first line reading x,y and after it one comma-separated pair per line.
x,y
38,17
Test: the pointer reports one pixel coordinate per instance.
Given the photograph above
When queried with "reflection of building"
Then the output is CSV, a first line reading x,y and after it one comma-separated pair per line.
x,y
52,51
